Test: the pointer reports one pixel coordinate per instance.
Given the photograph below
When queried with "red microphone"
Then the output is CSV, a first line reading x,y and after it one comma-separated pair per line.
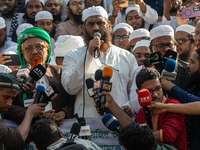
x,y
144,98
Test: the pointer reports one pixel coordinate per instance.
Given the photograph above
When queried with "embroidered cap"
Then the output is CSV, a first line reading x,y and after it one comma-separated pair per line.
x,y
8,81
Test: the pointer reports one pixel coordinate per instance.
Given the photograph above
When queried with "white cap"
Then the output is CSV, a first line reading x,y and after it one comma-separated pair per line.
x,y
66,43
43,15
42,1
128,9
141,43
162,30
47,0
139,33
2,23
123,26
186,28
23,27
93,11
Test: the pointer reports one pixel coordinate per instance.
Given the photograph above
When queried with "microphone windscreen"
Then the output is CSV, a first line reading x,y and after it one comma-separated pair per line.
x,y
155,58
110,122
98,74
37,72
144,97
107,72
146,62
55,89
76,127
40,87
170,65
97,35
170,54
27,66
89,83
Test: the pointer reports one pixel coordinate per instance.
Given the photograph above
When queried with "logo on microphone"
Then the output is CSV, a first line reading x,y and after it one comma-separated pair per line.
x,y
144,99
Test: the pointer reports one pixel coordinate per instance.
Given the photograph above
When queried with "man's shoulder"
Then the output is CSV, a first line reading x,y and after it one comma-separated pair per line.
x,y
169,100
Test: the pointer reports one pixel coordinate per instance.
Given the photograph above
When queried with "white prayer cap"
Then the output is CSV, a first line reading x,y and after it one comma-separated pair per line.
x,y
162,30
139,33
23,27
4,69
123,26
47,0
186,28
43,15
136,7
66,43
2,23
93,11
141,43
42,1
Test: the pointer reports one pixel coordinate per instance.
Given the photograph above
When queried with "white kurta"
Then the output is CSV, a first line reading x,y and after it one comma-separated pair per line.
x,y
121,60
150,17
8,46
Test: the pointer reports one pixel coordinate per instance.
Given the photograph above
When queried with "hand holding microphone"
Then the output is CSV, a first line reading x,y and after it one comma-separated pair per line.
x,y
95,44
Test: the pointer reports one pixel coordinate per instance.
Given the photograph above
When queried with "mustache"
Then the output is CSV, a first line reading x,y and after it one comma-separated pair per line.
x,y
33,13
36,55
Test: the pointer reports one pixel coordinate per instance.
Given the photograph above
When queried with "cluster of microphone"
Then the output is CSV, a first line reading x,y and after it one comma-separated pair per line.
x,y
27,75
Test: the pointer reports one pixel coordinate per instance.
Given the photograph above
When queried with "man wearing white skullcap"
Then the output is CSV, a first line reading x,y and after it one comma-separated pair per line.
x,y
32,8
139,16
138,35
185,42
44,20
54,7
5,42
97,54
121,34
71,26
162,40
141,51
64,44
23,27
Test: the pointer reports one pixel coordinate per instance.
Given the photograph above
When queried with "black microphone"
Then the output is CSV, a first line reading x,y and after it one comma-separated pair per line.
x,y
170,54
89,84
97,85
96,35
74,132
50,94
38,95
35,74
147,64
156,59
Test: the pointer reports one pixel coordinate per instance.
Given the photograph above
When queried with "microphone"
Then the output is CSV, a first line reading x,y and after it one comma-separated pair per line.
x,y
168,73
89,84
97,85
50,94
111,123
147,64
156,59
74,132
29,93
96,35
39,92
144,98
170,54
35,74
23,74
106,86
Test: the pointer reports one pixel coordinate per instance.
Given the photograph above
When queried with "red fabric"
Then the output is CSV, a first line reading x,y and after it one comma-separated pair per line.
x,y
173,126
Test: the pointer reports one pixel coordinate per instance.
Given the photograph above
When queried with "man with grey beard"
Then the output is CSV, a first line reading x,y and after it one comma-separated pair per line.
x,y
82,63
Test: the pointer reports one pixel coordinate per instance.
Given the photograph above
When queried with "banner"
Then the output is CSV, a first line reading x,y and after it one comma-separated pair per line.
x,y
104,138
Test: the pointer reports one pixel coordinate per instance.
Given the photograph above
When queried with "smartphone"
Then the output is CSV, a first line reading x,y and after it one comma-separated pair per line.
x,y
190,12
15,60
3,9
128,3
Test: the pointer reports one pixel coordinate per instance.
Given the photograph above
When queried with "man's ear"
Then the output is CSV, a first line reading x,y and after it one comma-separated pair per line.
x,y
137,91
67,8
110,26
35,25
151,49
82,27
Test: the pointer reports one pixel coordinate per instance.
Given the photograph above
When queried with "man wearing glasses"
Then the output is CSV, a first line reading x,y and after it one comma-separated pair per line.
x,y
185,42
168,128
121,34
72,26
162,40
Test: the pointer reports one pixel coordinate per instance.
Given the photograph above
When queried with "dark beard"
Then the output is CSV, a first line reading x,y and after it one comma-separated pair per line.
x,y
76,18
57,17
175,8
9,14
192,80
185,57
29,20
104,36
3,43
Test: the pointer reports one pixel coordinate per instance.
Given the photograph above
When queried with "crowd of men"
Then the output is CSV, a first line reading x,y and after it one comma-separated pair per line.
x,y
72,40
